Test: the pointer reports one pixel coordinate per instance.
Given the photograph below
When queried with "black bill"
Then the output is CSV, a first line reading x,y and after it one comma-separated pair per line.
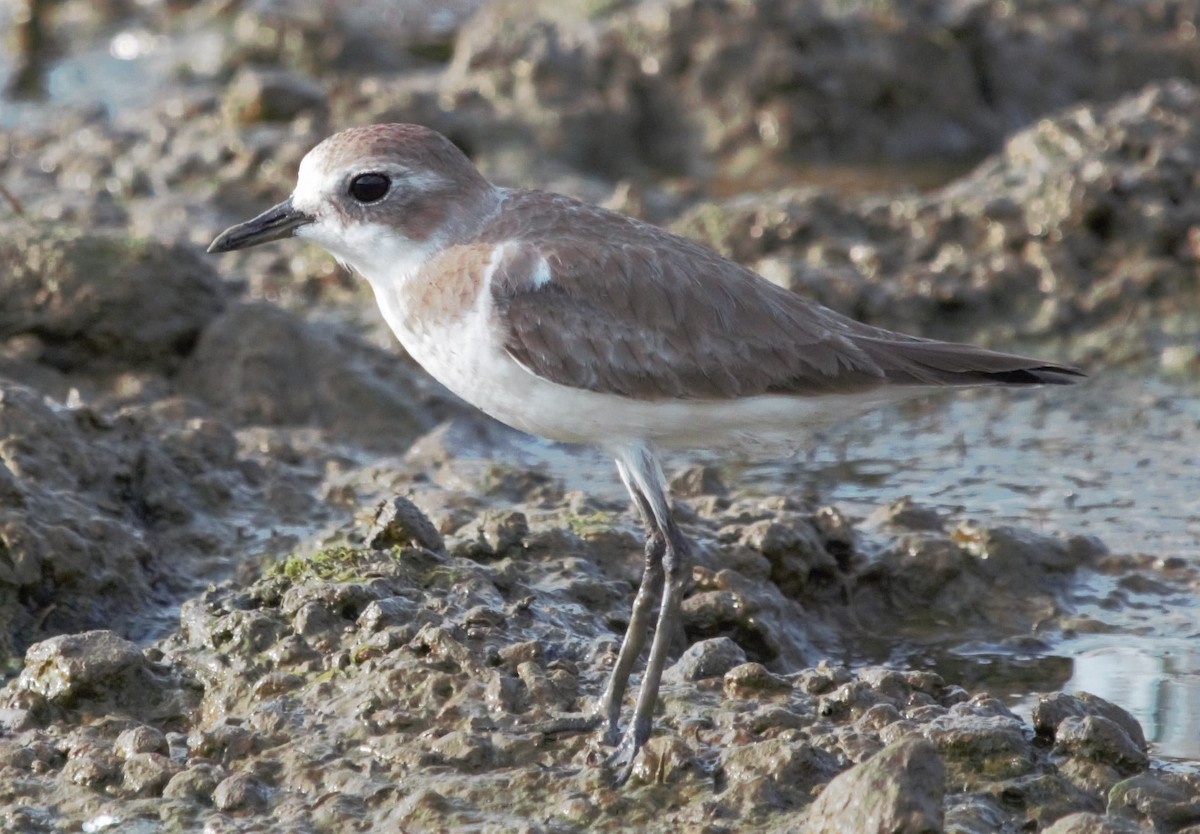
x,y
276,222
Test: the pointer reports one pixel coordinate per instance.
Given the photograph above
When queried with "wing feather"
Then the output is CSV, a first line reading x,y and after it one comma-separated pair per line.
x,y
660,317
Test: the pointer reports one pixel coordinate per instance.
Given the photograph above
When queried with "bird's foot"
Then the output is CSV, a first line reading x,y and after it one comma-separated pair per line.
x,y
622,759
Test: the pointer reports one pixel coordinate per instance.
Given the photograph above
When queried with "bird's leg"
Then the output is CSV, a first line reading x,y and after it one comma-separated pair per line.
x,y
676,566
607,709
643,476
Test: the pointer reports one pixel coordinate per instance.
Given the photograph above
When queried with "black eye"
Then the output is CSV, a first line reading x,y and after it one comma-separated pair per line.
x,y
368,188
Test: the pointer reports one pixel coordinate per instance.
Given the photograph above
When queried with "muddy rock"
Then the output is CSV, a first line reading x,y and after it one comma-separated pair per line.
x,y
95,502
430,667
706,659
260,365
257,95
1085,823
905,262
98,672
104,301
978,578
1051,710
898,789
400,524
742,84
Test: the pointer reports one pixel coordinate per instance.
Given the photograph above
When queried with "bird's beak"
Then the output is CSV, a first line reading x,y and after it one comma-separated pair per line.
x,y
276,222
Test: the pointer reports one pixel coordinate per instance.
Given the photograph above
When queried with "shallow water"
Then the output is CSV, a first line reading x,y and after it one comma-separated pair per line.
x,y
1117,457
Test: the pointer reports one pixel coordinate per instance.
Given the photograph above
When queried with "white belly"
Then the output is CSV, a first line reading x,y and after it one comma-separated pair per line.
x,y
469,359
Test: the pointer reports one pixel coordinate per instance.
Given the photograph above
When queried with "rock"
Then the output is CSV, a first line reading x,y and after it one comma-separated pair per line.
x,y
76,666
1054,179
1088,823
1101,741
101,301
697,480
778,772
978,746
899,790
795,550
1051,710
261,365
259,95
663,760
147,774
909,83
754,679
706,659
906,514
1160,801
141,739
196,783
401,524
239,793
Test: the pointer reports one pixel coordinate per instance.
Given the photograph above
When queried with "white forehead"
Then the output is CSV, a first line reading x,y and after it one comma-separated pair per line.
x,y
315,181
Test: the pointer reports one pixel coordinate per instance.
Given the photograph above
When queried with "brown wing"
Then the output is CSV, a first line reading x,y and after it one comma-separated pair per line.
x,y
592,299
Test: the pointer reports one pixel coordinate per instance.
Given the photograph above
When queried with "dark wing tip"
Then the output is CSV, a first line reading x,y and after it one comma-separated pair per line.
x,y
1039,375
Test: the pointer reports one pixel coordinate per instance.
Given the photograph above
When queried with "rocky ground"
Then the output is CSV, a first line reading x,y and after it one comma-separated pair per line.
x,y
258,573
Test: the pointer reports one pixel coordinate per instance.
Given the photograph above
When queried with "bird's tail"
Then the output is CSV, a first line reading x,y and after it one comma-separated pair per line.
x,y
925,362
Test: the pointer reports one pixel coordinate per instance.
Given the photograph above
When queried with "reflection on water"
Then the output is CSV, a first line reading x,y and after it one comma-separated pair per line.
x,y
1158,680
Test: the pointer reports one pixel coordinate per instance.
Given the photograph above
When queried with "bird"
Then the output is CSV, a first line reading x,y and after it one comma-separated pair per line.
x,y
582,325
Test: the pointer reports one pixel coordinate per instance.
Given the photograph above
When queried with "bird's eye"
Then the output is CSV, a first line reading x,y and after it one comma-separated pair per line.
x,y
369,188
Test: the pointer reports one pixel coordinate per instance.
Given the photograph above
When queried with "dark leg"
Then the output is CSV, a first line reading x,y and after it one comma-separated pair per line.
x,y
607,709
645,481
609,705
668,562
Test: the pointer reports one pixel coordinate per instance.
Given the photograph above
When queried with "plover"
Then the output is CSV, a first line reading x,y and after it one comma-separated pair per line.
x,y
565,320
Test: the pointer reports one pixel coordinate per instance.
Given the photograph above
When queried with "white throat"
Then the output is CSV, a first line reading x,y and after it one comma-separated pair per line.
x,y
373,250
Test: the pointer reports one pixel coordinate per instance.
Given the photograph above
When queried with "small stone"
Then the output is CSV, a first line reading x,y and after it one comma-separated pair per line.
x,y
782,770
197,783
402,524
314,621
239,792
979,748
467,752
140,740
383,613
505,532
515,654
92,767
908,515
748,679
147,774
697,480
661,760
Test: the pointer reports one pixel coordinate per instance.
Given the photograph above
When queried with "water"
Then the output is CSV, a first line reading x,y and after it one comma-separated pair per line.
x,y
1117,457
